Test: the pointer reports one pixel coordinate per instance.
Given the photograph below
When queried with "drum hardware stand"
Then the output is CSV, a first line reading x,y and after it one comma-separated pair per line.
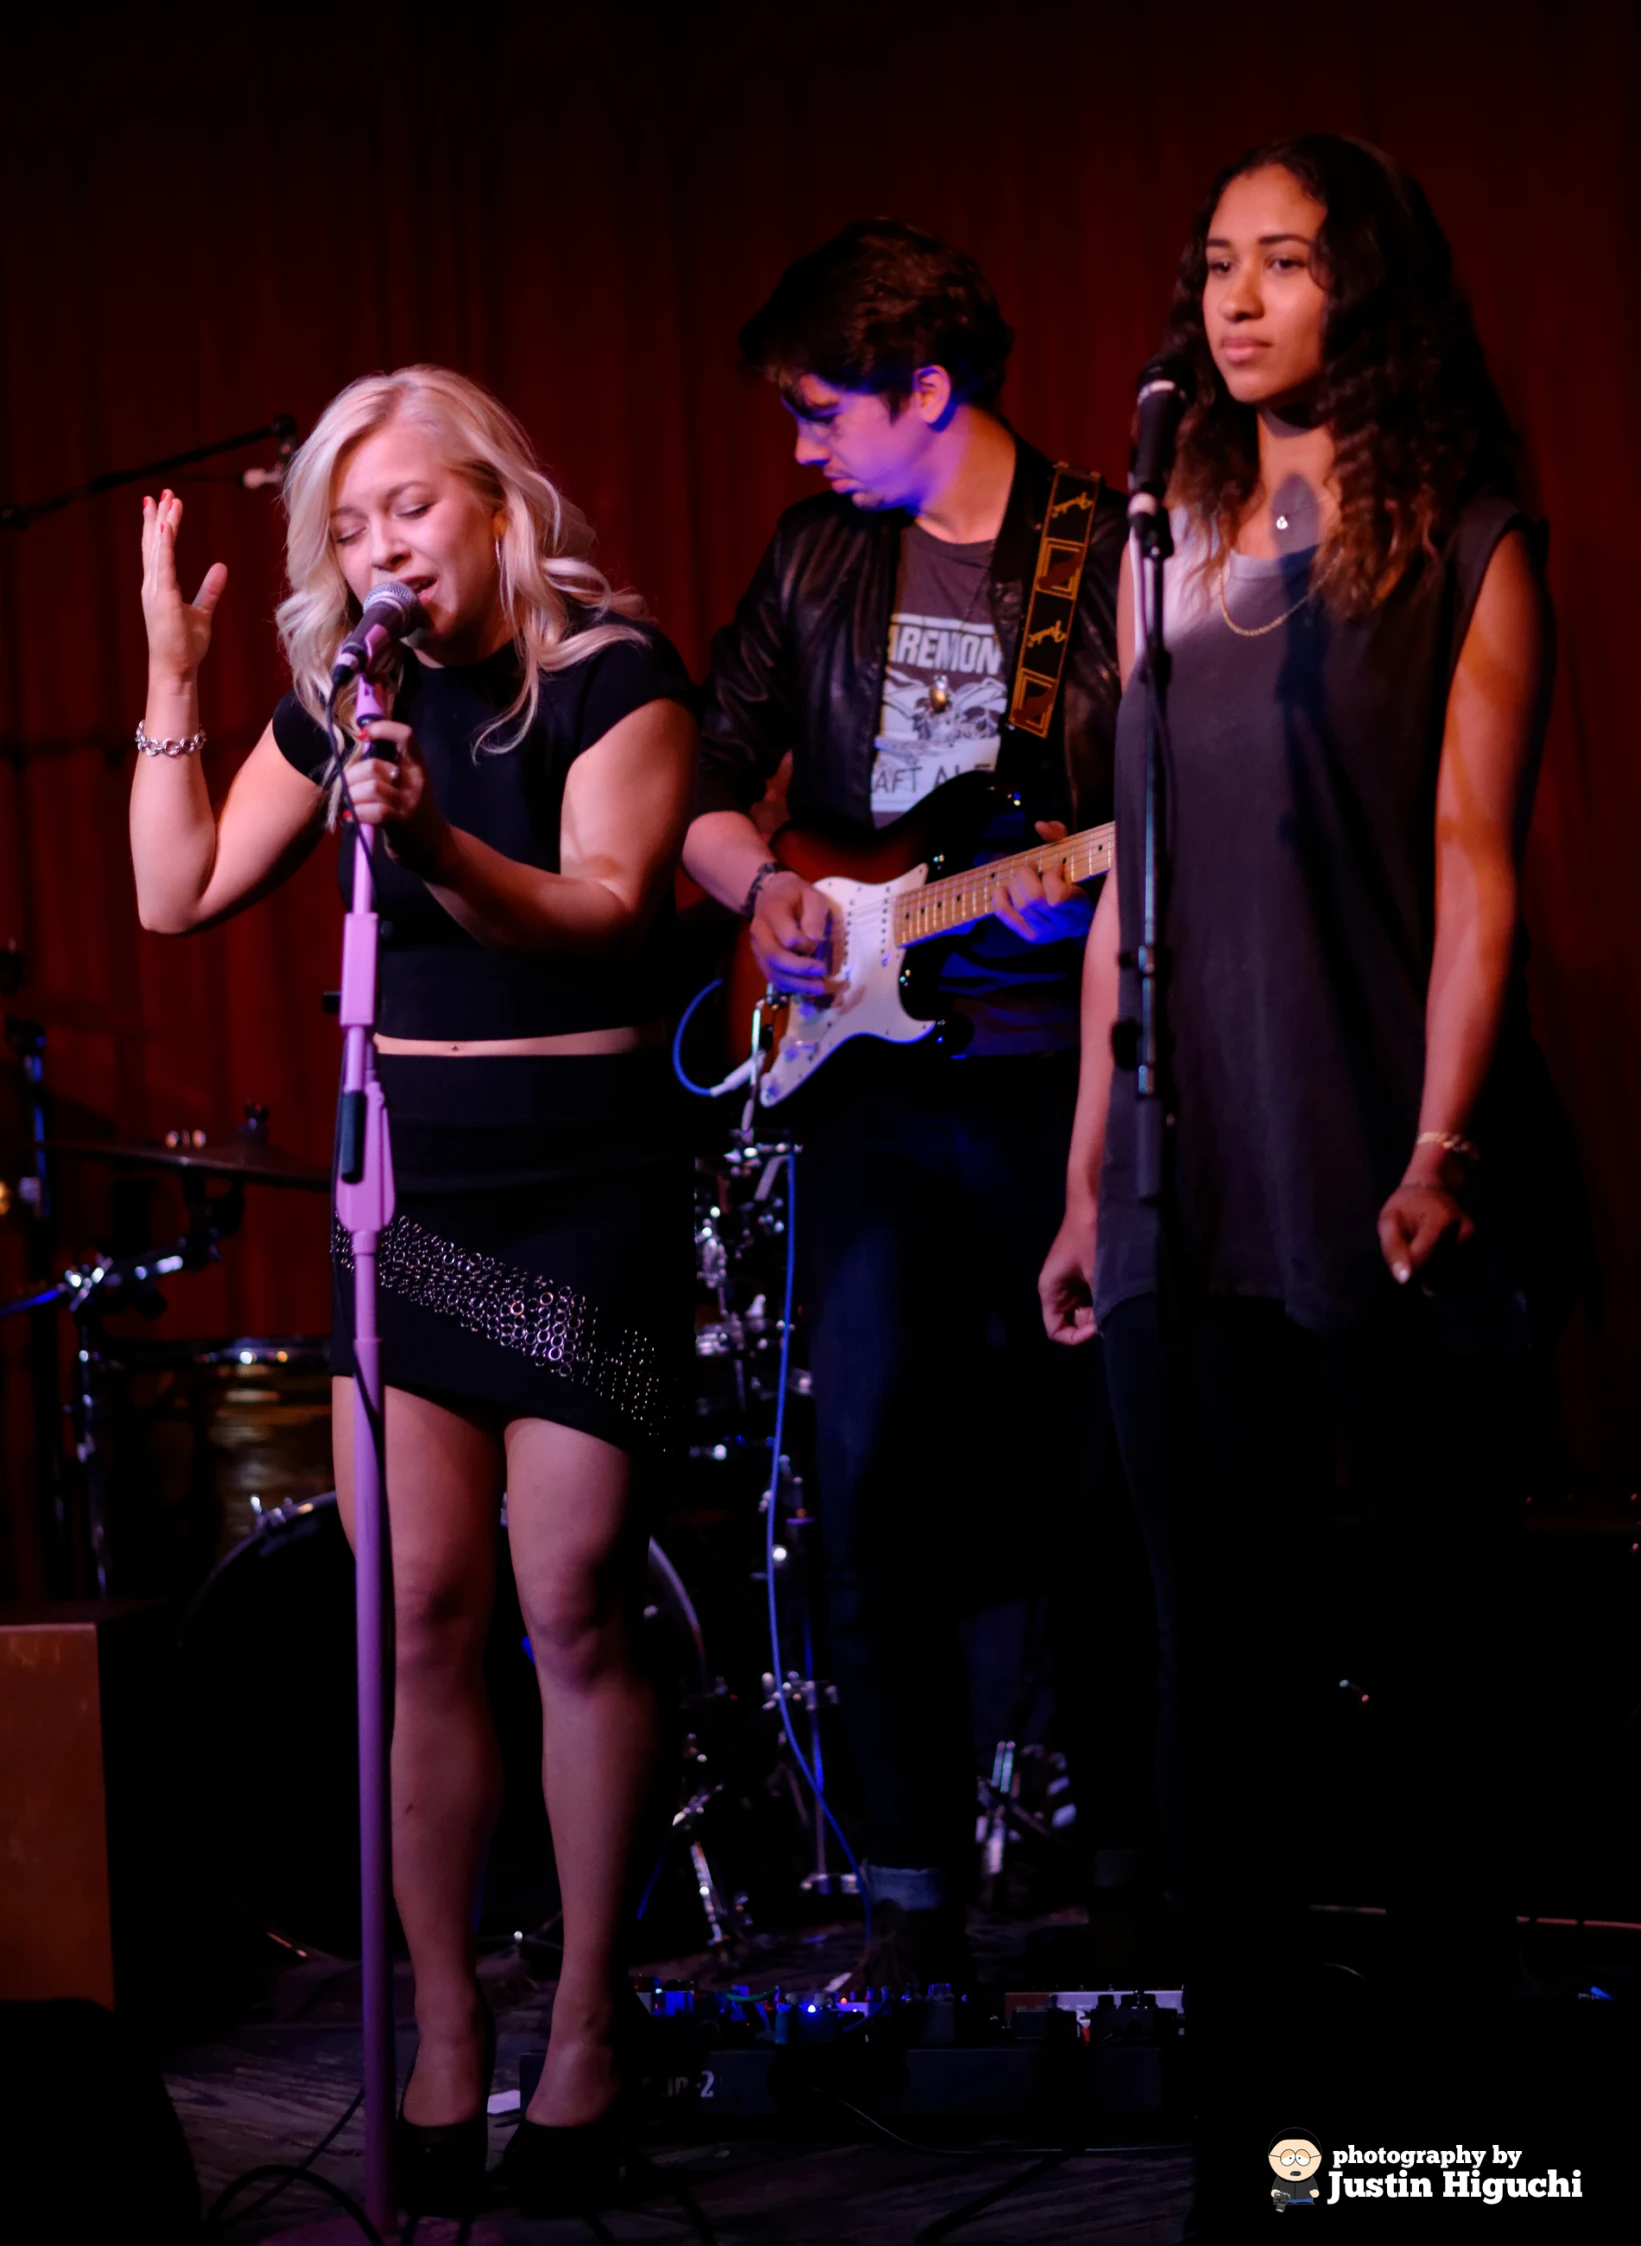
x,y
995,1802
726,1922
84,1291
801,1689
28,1041
750,1157
1004,1817
798,1689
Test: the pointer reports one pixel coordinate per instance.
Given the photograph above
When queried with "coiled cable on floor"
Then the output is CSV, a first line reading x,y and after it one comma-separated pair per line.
x,y
284,2173
288,2176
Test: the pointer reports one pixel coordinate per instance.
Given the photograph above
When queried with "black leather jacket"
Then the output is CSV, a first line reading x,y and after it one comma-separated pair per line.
x,y
801,667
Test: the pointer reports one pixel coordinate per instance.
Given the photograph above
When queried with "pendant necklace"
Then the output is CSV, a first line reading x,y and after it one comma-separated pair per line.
x,y
940,693
1258,631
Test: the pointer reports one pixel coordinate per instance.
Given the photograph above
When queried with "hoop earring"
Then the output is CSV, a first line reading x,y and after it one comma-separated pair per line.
x,y
502,586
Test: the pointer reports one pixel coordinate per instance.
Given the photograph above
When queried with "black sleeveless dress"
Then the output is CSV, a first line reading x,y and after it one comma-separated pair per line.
x,y
1300,923
538,1258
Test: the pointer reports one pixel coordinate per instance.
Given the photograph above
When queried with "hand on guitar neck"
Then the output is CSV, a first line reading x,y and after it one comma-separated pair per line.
x,y
792,928
1039,903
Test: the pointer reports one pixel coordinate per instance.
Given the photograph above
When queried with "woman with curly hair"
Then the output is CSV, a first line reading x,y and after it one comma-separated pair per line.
x,y
1360,652
529,795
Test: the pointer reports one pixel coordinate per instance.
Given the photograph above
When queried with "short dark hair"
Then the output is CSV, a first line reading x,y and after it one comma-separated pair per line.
x,y
871,306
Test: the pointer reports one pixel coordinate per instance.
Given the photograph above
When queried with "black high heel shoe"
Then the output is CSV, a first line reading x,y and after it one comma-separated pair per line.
x,y
441,2166
570,2171
577,2171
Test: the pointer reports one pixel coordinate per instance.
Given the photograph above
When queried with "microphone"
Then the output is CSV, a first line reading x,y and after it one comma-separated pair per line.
x,y
391,614
1164,393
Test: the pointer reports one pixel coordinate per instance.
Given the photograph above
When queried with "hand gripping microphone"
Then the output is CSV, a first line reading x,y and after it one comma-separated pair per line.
x,y
390,615
1164,393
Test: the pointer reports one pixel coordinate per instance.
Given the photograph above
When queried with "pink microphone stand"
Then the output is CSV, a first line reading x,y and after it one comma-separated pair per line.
x,y
364,1207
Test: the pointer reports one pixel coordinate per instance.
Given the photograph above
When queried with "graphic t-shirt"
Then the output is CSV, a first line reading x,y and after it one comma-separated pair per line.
x,y
944,690
944,696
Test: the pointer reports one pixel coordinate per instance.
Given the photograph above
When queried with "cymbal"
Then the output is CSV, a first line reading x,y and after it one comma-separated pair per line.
x,y
251,1160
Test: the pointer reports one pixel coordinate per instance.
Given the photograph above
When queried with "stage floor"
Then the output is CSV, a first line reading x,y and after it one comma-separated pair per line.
x,y
270,2088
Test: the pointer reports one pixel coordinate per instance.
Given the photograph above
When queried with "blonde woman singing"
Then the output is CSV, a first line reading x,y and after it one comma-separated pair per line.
x,y
531,1280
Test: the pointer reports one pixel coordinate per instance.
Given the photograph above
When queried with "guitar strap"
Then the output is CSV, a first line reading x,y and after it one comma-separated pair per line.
x,y
1051,604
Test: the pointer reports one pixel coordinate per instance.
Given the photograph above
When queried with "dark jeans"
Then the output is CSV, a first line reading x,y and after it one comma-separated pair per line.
x,y
1234,1470
956,1446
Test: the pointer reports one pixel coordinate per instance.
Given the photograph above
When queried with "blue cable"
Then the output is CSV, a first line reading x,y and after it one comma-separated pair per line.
x,y
654,1878
811,1778
701,1091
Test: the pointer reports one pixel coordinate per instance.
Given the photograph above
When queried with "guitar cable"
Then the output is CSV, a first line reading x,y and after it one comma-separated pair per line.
x,y
736,1077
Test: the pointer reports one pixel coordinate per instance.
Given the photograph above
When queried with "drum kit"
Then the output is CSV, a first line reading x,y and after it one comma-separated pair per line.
x,y
234,1435
110,1370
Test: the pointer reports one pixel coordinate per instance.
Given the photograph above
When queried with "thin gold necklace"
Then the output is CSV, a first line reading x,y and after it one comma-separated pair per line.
x,y
1258,631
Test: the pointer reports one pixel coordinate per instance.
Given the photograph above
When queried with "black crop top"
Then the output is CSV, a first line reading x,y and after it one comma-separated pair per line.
x,y
437,981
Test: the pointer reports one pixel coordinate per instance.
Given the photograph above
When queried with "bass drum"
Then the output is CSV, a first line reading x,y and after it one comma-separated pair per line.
x,y
269,1714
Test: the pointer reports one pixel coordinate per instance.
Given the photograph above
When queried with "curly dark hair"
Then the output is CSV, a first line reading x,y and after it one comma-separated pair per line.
x,y
1417,425
871,306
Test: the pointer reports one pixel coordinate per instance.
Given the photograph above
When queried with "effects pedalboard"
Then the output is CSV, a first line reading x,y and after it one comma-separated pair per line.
x,y
716,2060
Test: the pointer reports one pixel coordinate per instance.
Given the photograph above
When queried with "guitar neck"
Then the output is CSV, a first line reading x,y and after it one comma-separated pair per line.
x,y
943,908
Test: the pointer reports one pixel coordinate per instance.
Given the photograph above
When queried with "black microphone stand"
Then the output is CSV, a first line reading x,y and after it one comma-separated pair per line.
x,y
1155,1148
1154,542
281,428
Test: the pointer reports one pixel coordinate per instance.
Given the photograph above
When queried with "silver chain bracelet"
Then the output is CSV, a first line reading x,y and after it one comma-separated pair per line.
x,y
190,747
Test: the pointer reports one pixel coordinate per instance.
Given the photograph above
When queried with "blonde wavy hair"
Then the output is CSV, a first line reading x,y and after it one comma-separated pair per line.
x,y
561,607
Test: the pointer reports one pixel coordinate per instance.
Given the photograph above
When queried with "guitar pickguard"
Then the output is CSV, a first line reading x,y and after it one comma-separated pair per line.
x,y
863,990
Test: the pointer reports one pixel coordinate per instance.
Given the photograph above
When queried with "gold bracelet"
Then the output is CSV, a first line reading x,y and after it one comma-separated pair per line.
x,y
1450,1142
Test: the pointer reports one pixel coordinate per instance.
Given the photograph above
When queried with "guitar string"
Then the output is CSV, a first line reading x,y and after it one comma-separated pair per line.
x,y
919,917
1095,845
922,912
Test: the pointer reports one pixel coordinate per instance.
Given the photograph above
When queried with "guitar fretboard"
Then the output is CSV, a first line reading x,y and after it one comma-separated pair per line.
x,y
943,908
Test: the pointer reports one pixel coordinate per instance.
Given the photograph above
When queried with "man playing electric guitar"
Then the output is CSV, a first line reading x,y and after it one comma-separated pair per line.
x,y
936,631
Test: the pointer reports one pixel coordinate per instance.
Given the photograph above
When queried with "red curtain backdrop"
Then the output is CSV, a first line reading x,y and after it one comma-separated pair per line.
x,y
207,223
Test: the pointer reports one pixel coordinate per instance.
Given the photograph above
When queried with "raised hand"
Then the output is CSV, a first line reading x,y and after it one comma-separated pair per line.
x,y
179,631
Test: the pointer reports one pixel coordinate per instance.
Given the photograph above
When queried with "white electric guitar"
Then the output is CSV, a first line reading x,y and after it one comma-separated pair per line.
x,y
877,924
